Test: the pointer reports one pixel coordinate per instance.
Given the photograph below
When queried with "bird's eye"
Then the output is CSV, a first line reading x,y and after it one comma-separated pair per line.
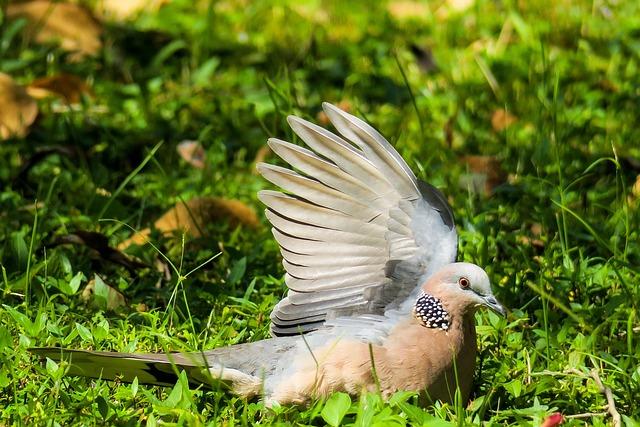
x,y
464,282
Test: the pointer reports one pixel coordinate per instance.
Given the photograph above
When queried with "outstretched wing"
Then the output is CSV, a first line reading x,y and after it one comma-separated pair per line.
x,y
357,231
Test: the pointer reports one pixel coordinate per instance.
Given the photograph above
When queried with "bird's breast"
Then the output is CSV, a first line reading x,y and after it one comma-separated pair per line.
x,y
431,360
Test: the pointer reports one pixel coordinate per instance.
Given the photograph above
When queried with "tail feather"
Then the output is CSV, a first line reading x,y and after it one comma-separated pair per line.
x,y
240,369
153,369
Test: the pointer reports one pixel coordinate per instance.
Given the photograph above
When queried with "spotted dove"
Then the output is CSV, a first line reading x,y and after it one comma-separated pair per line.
x,y
376,300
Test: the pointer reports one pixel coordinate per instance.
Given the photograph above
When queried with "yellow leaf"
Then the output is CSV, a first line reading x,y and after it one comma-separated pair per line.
x,y
633,197
322,117
66,86
103,295
73,26
485,173
453,7
18,110
123,9
193,216
502,119
193,153
403,10
261,155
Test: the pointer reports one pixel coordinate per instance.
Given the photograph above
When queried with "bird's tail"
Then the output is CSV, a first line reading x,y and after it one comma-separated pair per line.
x,y
154,369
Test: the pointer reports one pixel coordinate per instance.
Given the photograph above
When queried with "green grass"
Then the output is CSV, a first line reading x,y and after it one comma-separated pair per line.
x,y
227,74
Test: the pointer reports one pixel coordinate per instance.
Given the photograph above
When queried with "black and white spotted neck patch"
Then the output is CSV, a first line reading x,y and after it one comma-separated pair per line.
x,y
431,313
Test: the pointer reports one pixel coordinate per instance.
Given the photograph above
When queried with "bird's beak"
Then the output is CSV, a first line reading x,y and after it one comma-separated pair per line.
x,y
493,304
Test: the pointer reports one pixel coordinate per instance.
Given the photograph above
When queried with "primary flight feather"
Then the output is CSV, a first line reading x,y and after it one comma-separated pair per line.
x,y
369,252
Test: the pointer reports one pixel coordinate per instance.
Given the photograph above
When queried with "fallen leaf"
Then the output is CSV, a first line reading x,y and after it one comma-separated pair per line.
x,y
32,207
139,238
262,155
534,239
70,24
196,213
67,86
485,173
102,295
528,241
193,153
322,117
191,217
164,269
536,229
18,110
403,10
314,13
502,119
452,7
635,192
99,243
123,9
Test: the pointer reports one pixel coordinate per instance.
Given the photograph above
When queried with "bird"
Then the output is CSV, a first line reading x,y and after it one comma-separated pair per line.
x,y
376,299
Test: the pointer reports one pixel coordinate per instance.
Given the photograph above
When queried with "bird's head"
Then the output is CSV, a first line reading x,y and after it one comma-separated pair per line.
x,y
456,288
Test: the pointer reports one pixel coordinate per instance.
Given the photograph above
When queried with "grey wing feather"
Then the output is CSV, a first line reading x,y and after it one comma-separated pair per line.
x,y
376,148
357,231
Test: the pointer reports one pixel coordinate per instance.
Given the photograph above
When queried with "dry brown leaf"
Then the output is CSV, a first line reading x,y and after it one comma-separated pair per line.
x,y
193,216
123,9
104,296
139,238
635,190
314,13
536,229
67,86
72,25
634,195
485,173
528,241
451,7
322,117
17,109
502,119
262,154
32,207
193,153
404,9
